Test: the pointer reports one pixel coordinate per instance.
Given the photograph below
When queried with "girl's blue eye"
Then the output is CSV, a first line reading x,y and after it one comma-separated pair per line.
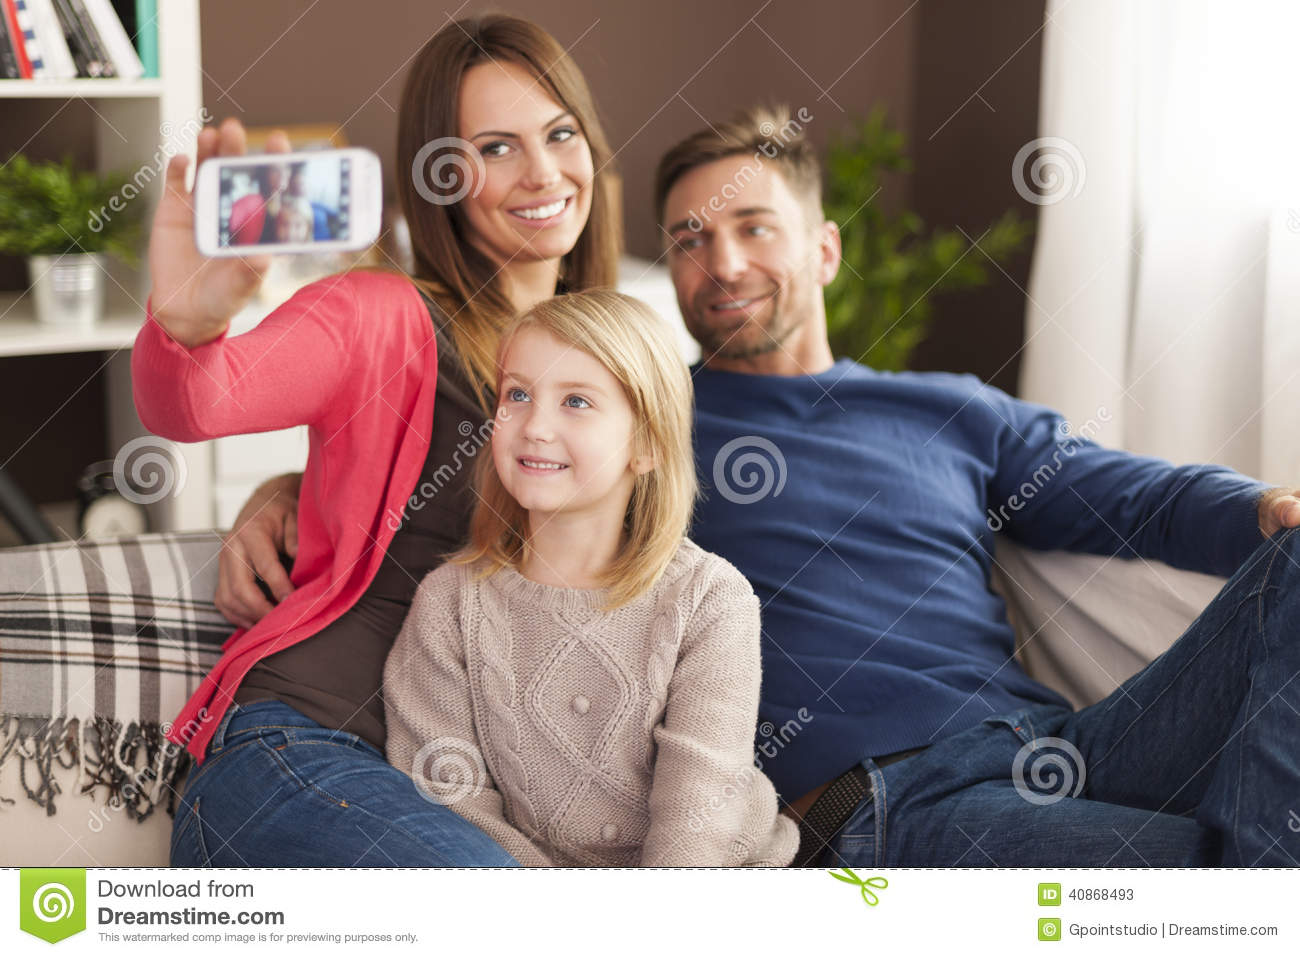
x,y
578,398
516,395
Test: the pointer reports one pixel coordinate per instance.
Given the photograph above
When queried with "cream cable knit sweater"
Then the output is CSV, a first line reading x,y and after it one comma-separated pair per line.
x,y
578,737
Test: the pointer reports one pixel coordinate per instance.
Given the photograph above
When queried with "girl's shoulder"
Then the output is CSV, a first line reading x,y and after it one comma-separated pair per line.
x,y
710,575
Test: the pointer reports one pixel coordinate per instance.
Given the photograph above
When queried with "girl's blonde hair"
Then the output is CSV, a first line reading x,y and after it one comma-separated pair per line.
x,y
637,346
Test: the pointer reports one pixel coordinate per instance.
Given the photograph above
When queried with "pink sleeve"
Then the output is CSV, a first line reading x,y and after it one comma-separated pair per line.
x,y
282,373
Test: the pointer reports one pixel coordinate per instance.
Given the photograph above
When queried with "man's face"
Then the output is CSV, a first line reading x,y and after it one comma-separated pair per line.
x,y
747,265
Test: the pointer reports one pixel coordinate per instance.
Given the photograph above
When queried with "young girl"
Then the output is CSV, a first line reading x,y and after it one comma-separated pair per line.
x,y
581,681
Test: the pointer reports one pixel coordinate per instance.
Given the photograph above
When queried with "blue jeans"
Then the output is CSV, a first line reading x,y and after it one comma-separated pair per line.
x,y
278,790
1193,761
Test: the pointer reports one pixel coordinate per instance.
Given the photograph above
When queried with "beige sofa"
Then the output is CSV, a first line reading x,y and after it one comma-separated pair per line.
x,y
1083,623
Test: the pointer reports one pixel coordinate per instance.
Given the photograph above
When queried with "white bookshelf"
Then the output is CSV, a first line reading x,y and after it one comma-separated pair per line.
x,y
131,121
85,89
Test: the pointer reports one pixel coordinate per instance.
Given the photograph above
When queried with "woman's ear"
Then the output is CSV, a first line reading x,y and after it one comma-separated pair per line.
x,y
641,464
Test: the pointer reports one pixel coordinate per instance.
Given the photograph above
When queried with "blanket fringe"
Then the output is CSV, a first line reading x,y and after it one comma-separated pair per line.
x,y
139,769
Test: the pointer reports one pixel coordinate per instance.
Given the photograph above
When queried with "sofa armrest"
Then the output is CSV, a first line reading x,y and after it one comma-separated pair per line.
x,y
1084,623
101,644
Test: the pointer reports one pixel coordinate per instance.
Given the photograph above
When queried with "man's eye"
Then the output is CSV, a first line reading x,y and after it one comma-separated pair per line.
x,y
759,230
689,242
577,398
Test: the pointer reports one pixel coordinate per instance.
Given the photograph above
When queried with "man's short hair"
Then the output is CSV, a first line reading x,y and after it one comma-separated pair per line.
x,y
771,134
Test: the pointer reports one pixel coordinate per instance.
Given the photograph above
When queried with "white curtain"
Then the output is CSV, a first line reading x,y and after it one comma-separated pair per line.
x,y
1165,293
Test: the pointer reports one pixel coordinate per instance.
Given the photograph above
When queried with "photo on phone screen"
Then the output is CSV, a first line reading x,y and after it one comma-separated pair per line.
x,y
278,202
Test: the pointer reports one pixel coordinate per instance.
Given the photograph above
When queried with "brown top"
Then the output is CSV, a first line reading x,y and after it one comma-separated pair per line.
x,y
334,677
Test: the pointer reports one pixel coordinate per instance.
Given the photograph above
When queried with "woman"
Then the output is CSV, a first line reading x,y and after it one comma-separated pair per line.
x,y
390,372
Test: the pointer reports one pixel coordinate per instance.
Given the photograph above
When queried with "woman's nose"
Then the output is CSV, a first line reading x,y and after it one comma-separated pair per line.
x,y
543,171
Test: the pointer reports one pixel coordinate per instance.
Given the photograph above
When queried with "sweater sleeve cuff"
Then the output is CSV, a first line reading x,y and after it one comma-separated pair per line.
x,y
1240,535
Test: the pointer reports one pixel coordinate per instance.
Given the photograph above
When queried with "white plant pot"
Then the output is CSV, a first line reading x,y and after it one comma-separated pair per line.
x,y
68,289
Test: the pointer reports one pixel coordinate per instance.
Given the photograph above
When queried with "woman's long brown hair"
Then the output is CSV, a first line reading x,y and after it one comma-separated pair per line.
x,y
458,277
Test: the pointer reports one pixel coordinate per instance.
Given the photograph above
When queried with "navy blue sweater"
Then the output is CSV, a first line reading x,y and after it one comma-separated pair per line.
x,y
861,505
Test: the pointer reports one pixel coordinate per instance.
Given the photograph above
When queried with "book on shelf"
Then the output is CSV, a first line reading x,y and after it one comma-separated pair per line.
x,y
93,39
8,61
32,45
54,46
114,39
83,55
9,10
145,31
70,39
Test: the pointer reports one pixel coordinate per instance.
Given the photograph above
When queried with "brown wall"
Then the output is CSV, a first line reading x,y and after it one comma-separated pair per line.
x,y
656,70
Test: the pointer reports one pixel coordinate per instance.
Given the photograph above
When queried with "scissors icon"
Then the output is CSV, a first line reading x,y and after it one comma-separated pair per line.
x,y
868,894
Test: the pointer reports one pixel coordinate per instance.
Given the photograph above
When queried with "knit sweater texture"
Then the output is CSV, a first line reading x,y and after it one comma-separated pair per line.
x,y
578,736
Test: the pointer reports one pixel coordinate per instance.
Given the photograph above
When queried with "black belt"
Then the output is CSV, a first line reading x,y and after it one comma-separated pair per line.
x,y
835,805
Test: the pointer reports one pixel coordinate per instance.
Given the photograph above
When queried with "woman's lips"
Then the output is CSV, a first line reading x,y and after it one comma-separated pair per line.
x,y
542,216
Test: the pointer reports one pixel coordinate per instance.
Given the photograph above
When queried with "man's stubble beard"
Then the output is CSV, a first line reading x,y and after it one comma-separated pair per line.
x,y
779,325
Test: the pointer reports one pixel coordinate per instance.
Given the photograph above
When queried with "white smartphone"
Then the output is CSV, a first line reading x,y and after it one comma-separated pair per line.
x,y
307,202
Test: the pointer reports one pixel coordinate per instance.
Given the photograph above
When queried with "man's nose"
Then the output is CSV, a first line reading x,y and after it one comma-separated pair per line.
x,y
727,262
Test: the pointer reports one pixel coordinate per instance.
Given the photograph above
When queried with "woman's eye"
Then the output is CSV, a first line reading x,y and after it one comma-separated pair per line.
x,y
495,149
516,395
563,133
577,398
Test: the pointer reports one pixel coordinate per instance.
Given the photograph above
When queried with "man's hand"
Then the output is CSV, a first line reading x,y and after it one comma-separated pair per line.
x,y
266,526
1279,508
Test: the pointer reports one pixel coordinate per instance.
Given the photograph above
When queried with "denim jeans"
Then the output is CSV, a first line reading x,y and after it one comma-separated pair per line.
x,y
1193,761
278,790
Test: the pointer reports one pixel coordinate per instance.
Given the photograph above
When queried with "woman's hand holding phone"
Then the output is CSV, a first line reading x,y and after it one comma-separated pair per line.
x,y
195,297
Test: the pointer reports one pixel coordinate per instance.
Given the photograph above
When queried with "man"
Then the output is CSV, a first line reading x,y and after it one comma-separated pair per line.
x,y
893,711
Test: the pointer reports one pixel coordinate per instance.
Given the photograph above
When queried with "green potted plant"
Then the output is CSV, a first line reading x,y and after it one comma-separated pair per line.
x,y
63,220
879,306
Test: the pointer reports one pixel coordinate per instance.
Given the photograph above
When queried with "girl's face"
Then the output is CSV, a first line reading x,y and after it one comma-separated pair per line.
x,y
535,194
563,439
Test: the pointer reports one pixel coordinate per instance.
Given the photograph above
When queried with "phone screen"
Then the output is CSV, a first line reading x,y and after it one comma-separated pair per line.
x,y
272,203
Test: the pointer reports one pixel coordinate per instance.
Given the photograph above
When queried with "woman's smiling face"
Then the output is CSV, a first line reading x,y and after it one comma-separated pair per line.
x,y
535,195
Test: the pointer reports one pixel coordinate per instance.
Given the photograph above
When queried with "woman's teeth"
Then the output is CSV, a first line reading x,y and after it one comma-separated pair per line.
x,y
542,212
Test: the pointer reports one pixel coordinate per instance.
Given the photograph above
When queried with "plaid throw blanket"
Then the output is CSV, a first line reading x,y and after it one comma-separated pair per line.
x,y
101,644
